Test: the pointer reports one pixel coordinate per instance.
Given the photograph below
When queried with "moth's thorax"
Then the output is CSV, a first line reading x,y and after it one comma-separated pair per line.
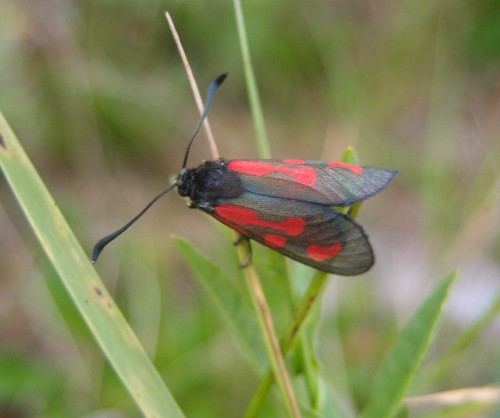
x,y
208,182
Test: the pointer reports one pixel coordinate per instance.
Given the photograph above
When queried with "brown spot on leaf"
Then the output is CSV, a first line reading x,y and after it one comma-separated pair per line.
x,y
2,142
98,291
102,298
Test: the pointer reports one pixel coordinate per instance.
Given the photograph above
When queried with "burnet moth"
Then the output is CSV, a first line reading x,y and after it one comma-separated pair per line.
x,y
287,205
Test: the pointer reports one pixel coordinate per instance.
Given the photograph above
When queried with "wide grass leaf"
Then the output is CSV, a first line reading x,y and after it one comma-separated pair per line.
x,y
400,364
97,308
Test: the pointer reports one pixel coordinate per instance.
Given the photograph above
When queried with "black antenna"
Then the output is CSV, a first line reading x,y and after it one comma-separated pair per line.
x,y
108,238
214,85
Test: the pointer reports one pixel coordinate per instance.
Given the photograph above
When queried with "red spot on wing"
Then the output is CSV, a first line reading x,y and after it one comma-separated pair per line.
x,y
303,174
294,161
323,253
275,240
355,169
244,216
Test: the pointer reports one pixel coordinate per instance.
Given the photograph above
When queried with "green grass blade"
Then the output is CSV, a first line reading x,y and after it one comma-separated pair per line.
x,y
233,304
113,334
309,300
247,325
253,92
400,364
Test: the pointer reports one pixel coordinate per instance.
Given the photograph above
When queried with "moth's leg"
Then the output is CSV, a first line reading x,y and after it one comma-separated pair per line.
x,y
240,239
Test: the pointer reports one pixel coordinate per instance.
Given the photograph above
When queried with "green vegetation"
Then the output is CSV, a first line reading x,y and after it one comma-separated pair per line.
x,y
97,97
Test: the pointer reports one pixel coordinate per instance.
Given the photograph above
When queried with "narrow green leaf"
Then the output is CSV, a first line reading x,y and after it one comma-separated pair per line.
x,y
253,92
350,156
400,364
107,324
232,303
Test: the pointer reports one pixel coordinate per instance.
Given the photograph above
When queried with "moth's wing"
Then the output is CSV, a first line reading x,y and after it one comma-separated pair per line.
x,y
318,236
328,183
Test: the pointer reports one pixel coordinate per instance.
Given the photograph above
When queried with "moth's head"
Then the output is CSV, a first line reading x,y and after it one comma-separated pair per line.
x,y
185,181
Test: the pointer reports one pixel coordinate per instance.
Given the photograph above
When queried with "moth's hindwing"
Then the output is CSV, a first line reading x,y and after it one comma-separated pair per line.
x,y
318,236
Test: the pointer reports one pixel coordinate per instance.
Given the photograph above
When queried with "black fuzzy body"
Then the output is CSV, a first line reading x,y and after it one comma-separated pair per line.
x,y
207,183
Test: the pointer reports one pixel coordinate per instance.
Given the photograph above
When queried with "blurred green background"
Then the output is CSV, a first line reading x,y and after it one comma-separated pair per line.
x,y
96,92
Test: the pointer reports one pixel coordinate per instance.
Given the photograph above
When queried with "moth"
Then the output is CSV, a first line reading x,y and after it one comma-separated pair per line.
x,y
288,205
